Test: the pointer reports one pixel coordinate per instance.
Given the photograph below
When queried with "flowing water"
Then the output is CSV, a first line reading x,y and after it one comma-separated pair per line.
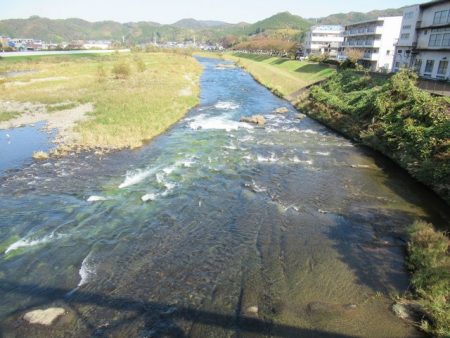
x,y
215,229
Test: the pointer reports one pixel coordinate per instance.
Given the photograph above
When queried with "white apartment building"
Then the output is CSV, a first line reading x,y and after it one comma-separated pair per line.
x,y
424,43
376,39
323,39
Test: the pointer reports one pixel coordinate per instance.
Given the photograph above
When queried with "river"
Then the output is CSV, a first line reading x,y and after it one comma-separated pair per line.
x,y
215,229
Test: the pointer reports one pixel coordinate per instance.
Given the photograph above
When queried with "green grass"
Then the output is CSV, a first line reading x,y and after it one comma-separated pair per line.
x,y
429,262
59,107
6,116
129,110
283,76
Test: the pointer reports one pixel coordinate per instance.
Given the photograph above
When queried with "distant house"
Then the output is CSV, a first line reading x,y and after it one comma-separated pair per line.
x,y
21,44
324,39
97,44
424,43
376,39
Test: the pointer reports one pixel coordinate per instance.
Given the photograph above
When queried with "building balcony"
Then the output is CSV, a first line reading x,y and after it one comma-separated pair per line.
x,y
362,44
378,30
370,56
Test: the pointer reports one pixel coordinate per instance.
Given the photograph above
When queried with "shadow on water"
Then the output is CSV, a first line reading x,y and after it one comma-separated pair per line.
x,y
158,318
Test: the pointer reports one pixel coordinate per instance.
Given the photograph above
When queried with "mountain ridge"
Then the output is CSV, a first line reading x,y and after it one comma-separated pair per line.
x,y
283,26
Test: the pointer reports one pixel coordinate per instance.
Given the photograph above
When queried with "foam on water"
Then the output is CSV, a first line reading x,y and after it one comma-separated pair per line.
x,y
23,242
135,177
295,159
323,153
87,271
96,199
272,158
202,121
149,197
226,105
308,131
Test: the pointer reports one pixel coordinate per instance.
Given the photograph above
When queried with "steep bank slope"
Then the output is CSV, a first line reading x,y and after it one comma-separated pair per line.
x,y
392,116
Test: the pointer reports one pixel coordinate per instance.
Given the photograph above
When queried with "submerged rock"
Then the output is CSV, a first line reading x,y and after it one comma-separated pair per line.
x,y
252,310
255,119
300,116
44,317
281,110
409,311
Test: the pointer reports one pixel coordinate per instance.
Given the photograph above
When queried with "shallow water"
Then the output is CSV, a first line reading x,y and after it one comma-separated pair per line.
x,y
18,144
215,229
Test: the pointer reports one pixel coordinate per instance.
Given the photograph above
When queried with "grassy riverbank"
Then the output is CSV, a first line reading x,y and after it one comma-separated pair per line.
x,y
134,97
429,262
393,116
282,76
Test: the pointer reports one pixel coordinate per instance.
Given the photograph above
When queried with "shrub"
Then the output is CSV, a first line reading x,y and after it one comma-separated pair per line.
x,y
121,70
101,73
429,262
140,64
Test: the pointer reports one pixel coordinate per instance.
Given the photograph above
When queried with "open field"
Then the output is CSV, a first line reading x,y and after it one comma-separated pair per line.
x,y
134,97
282,76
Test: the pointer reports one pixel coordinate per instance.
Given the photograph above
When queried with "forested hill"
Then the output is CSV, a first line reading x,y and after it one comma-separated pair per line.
x,y
285,26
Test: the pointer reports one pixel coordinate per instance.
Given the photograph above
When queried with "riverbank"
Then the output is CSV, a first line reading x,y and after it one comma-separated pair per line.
x,y
282,76
392,116
109,101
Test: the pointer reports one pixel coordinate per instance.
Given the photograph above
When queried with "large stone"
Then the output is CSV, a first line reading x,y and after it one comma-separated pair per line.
x,y
255,119
44,317
282,110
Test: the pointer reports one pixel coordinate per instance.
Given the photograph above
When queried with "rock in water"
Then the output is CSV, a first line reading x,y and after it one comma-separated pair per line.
x,y
252,310
44,317
255,119
282,110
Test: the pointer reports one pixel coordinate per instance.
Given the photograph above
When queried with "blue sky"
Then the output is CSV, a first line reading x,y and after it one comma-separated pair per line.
x,y
169,11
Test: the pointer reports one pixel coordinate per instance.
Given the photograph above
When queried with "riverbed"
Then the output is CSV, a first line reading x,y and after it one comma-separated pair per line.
x,y
216,228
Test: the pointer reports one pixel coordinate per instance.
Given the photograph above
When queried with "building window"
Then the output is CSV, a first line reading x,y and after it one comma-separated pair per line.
x,y
436,40
418,65
388,52
441,17
397,65
404,36
446,40
399,51
442,69
406,27
429,67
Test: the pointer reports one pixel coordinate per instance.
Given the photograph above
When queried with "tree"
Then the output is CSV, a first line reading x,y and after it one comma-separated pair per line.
x,y
354,55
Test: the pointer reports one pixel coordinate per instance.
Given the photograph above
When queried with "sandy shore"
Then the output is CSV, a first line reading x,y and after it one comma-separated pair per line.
x,y
63,121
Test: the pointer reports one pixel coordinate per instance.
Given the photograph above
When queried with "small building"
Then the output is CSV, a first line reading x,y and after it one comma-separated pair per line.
x,y
97,44
324,39
424,43
21,44
376,39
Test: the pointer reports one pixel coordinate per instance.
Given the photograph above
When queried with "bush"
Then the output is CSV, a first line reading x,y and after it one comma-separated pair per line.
x,y
101,73
429,262
140,64
121,70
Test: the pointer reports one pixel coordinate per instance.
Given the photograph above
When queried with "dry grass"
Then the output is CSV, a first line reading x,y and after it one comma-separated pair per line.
x,y
129,110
